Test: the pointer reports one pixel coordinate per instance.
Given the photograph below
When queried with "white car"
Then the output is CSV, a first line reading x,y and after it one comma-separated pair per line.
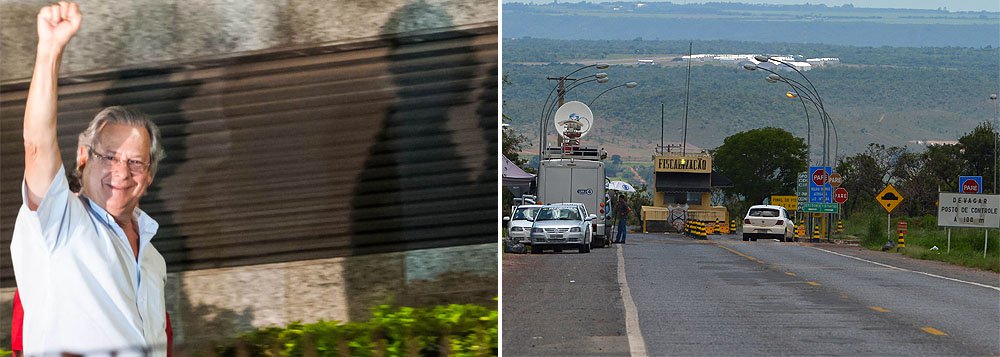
x,y
764,221
519,223
606,240
560,227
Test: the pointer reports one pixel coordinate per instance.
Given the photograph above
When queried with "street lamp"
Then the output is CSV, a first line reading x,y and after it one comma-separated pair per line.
x,y
599,78
753,67
808,94
628,85
812,90
827,121
993,98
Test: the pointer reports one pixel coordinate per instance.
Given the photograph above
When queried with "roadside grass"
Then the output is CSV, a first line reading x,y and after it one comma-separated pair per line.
x,y
924,234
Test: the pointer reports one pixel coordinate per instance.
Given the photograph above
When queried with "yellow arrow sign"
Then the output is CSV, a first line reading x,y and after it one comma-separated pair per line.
x,y
889,198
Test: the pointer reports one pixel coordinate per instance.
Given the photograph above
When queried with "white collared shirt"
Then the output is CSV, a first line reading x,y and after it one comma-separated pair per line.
x,y
80,285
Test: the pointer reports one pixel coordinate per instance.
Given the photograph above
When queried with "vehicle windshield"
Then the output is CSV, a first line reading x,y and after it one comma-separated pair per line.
x,y
764,212
558,214
525,213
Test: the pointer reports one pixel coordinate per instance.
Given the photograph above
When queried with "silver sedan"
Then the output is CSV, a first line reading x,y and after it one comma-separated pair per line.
x,y
561,226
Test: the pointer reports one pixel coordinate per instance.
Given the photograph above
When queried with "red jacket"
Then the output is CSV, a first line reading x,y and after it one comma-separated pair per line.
x,y
17,336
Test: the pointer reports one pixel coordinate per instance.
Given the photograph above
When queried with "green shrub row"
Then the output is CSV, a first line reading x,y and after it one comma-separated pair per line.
x,y
451,330
923,235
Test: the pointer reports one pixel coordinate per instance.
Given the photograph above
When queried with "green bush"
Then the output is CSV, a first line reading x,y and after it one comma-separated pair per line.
x,y
452,330
924,234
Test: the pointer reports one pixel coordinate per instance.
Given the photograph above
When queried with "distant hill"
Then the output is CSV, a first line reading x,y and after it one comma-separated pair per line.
x,y
885,95
838,25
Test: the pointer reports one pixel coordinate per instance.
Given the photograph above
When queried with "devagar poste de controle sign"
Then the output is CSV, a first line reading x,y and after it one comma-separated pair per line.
x,y
968,210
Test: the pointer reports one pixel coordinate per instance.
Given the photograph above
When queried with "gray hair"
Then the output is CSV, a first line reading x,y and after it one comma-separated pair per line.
x,y
124,116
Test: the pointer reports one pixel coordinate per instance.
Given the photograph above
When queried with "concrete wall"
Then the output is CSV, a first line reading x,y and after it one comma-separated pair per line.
x,y
118,34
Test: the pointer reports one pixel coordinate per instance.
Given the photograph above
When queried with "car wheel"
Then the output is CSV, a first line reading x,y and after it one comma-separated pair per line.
x,y
585,248
753,238
536,249
746,237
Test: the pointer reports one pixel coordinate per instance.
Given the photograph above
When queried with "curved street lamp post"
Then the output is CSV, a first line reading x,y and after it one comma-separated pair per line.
x,y
807,93
629,85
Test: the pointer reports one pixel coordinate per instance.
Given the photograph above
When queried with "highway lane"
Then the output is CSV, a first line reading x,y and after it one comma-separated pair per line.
x,y
562,304
771,298
728,297
958,302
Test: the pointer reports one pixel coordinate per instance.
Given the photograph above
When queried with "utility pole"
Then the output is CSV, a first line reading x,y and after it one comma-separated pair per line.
x,y
561,91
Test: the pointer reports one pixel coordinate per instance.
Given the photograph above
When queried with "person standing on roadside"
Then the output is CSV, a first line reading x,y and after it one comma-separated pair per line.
x,y
622,213
89,279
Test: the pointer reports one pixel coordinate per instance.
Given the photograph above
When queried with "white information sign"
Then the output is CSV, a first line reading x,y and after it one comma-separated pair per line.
x,y
968,210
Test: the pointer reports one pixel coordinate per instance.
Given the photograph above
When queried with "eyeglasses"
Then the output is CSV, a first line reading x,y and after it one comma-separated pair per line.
x,y
108,161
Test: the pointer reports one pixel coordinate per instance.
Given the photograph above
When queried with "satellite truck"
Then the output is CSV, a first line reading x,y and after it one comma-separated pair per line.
x,y
571,173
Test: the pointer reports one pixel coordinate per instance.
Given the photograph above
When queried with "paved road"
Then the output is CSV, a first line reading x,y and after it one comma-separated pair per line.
x,y
562,304
728,297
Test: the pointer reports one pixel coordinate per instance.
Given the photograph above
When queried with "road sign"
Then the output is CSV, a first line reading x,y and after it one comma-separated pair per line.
x,y
820,207
836,180
802,187
820,177
840,195
968,210
970,184
790,203
819,184
889,198
901,226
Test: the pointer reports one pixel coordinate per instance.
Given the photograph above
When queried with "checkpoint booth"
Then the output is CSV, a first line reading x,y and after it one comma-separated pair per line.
x,y
683,192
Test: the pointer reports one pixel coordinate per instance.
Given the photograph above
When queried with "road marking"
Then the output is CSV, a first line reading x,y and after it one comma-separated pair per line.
x,y
878,308
813,283
636,344
933,331
734,251
790,273
912,271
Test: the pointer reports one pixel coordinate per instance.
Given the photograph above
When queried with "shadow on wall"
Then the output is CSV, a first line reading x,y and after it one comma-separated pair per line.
x,y
418,183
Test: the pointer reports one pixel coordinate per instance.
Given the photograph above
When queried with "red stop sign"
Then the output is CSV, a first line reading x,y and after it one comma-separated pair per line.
x,y
820,177
970,186
840,195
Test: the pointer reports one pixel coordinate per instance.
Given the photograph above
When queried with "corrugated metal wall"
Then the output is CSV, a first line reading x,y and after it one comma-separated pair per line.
x,y
381,145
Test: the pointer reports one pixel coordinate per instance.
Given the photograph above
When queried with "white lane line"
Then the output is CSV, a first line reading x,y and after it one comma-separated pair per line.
x,y
912,271
636,344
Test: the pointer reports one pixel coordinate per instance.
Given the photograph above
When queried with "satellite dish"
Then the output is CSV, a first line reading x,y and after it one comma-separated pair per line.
x,y
573,120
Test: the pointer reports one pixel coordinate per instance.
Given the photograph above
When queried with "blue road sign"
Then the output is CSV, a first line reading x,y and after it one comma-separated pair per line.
x,y
820,190
970,184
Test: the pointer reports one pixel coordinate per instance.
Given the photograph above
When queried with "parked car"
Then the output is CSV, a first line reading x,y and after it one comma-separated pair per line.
x,y
765,221
600,240
519,223
560,227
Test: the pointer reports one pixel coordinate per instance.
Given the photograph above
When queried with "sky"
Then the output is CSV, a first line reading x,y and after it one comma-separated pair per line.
x,y
951,5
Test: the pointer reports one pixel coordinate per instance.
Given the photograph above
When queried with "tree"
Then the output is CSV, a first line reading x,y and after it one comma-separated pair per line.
x,y
513,143
867,173
943,161
978,153
761,162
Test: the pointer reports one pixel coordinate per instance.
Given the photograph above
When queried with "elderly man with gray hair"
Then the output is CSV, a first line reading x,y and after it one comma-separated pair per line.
x,y
89,279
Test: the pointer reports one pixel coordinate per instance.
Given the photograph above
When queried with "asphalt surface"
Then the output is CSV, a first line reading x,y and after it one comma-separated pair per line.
x,y
560,304
727,297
